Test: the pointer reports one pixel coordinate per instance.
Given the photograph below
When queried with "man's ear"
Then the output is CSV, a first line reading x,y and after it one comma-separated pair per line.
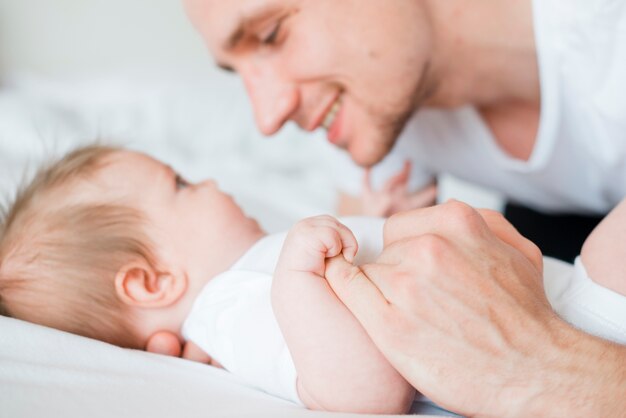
x,y
139,284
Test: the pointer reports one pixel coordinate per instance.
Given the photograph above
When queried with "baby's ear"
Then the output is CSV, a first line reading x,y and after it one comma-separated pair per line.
x,y
139,284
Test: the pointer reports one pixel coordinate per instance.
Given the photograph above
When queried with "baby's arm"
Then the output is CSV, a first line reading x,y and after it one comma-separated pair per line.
x,y
338,366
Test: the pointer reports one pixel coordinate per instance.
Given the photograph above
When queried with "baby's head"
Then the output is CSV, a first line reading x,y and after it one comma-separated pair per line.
x,y
114,245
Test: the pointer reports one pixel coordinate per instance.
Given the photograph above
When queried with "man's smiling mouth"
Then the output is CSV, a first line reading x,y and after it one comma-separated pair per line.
x,y
332,114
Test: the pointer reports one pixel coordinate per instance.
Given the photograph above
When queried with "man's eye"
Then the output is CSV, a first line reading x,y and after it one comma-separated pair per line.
x,y
181,183
271,36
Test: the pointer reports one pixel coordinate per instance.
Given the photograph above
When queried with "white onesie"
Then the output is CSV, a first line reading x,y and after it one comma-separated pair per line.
x,y
233,321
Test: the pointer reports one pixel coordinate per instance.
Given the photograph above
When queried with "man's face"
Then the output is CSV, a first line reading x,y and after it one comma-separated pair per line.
x,y
358,68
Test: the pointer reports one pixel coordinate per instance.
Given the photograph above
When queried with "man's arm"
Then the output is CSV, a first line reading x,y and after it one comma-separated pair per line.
x,y
339,368
457,306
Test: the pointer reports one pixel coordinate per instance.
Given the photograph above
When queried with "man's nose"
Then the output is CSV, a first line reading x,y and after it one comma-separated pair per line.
x,y
274,99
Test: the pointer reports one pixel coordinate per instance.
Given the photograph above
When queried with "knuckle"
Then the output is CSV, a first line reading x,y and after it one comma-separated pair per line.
x,y
459,209
463,217
431,246
422,256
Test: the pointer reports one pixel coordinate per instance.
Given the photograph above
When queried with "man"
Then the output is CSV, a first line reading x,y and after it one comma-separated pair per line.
x,y
541,84
531,91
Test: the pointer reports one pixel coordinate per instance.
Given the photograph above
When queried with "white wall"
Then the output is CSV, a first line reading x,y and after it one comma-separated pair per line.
x,y
87,37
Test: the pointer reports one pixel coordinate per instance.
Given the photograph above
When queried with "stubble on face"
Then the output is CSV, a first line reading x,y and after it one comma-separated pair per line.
x,y
390,123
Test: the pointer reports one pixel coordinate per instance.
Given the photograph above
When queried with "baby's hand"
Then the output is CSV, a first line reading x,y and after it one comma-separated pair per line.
x,y
312,240
167,343
395,195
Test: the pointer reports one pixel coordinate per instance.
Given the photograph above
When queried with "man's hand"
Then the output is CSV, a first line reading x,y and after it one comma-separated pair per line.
x,y
456,303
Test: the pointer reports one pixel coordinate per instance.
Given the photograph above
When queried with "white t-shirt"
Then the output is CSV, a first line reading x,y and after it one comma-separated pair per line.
x,y
233,321
579,161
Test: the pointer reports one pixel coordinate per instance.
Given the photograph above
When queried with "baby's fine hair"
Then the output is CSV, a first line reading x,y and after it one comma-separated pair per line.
x,y
59,254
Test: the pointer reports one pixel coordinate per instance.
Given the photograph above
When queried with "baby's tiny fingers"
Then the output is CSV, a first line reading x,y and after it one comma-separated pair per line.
x,y
349,244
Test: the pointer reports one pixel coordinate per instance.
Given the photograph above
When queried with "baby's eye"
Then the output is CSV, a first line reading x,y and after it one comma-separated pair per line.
x,y
181,183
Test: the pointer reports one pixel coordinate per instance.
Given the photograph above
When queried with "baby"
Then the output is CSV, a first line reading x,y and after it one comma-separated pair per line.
x,y
114,245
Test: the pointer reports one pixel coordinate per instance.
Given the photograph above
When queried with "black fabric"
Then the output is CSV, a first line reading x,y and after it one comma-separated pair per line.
x,y
560,236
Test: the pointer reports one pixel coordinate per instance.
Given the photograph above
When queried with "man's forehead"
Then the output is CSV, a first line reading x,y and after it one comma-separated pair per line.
x,y
232,6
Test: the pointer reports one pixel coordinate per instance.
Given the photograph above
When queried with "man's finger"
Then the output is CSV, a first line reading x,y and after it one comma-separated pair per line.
x,y
362,297
456,221
452,220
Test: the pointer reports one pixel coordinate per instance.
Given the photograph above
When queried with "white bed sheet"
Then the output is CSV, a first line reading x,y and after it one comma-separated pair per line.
x,y
202,129
48,373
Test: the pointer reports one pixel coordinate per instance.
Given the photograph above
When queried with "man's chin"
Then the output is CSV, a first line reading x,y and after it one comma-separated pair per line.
x,y
368,158
368,151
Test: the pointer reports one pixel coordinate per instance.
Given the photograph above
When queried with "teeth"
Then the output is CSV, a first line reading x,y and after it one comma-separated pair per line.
x,y
330,116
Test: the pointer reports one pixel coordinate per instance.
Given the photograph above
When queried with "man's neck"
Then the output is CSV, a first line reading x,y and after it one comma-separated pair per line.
x,y
484,53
